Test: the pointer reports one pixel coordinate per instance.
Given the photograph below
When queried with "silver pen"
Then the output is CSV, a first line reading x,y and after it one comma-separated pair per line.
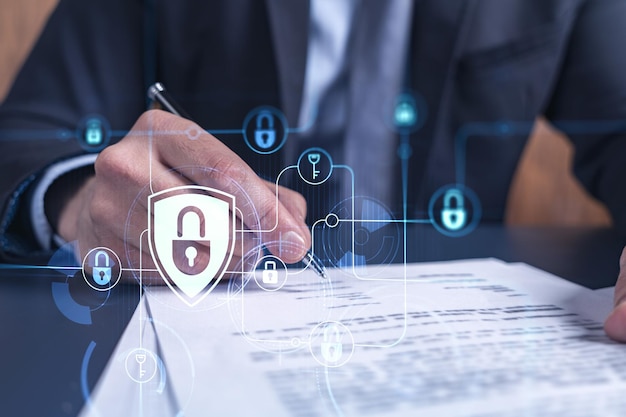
x,y
158,93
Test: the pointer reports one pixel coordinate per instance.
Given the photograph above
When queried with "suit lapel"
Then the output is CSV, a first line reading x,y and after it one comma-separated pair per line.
x,y
439,31
289,22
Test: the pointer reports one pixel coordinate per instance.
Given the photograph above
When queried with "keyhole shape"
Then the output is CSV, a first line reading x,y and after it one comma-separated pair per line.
x,y
191,254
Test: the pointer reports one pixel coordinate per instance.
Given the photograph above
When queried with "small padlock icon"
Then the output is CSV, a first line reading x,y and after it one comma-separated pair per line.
x,y
453,215
405,114
332,349
93,132
265,137
270,274
185,251
101,271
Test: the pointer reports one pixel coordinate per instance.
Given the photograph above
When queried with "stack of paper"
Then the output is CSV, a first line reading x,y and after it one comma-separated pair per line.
x,y
466,338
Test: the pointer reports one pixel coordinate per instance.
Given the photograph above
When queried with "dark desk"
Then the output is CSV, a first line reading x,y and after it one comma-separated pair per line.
x,y
42,351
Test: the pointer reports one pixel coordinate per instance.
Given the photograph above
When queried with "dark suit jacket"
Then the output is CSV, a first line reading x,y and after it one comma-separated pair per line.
x,y
475,63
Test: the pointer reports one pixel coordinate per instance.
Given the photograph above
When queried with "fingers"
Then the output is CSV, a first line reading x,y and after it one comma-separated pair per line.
x,y
293,201
125,170
615,324
269,215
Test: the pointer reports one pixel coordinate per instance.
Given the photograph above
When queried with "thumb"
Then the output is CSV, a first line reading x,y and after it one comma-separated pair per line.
x,y
615,324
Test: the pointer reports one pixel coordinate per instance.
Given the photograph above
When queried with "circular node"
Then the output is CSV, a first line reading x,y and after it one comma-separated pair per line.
x,y
192,133
271,273
331,344
265,130
315,166
332,220
296,341
102,269
454,210
93,133
141,365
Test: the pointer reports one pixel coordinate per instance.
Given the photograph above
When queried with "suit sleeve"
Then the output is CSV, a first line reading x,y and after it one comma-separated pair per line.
x,y
89,60
589,102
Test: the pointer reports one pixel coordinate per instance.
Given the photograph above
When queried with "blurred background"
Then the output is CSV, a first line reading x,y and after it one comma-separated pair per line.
x,y
543,192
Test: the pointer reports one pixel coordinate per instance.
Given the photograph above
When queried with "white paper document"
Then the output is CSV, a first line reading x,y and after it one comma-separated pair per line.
x,y
465,338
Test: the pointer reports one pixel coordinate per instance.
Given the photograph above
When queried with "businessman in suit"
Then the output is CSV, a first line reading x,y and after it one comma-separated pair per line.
x,y
338,63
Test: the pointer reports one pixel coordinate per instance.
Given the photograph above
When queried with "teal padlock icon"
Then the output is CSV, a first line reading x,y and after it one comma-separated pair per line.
x,y
453,214
265,133
93,132
405,114
186,249
101,272
331,347
270,274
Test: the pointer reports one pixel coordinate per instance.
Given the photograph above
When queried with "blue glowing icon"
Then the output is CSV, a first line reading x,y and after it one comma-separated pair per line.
x,y
453,214
93,132
405,114
314,159
265,133
331,347
102,268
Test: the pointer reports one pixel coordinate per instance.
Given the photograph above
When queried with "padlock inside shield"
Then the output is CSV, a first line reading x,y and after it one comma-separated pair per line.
x,y
201,250
191,256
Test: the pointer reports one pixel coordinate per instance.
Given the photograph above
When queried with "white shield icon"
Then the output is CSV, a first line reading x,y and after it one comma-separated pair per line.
x,y
192,236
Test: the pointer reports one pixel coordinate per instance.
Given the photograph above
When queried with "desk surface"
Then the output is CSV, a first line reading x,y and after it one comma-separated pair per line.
x,y
43,351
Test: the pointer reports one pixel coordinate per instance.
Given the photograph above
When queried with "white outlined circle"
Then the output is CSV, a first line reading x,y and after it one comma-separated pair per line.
x,y
140,365
468,195
193,133
332,220
279,123
116,267
315,166
278,276
328,341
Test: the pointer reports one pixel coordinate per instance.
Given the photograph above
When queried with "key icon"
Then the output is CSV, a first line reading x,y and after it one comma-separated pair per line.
x,y
141,365
314,159
141,358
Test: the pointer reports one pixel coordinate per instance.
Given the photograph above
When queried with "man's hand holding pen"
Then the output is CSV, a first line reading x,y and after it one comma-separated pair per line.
x,y
96,214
